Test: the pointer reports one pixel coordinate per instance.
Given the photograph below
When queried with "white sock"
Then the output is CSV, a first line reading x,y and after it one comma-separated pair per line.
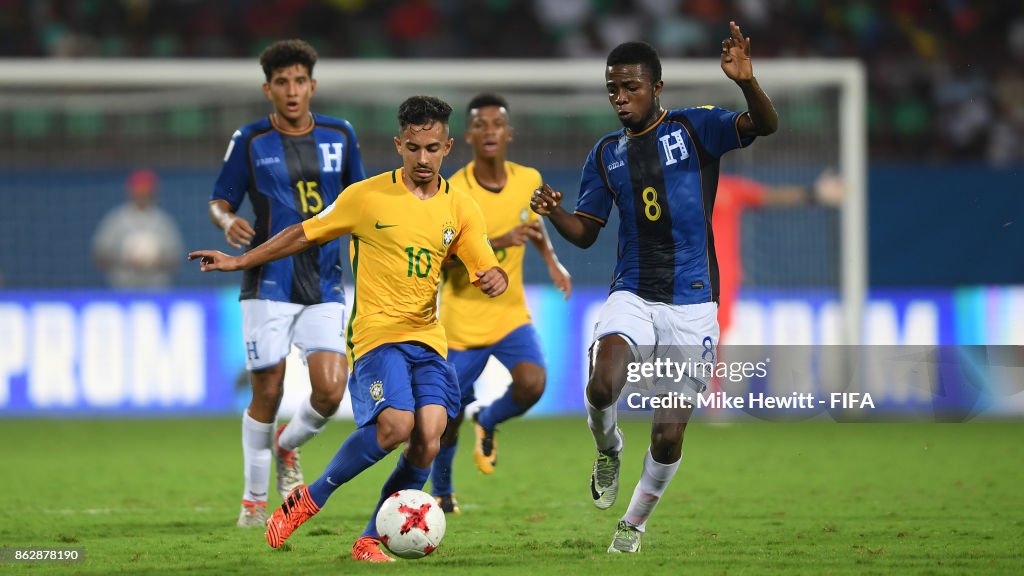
x,y
602,426
649,489
305,424
257,441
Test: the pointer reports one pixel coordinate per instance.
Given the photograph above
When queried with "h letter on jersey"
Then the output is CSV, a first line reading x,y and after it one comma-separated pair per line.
x,y
330,152
677,135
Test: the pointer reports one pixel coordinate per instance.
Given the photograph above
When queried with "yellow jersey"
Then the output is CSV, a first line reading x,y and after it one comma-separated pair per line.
x,y
470,318
398,244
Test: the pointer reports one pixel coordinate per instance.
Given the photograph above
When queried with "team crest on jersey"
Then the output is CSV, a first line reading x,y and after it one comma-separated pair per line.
x,y
377,390
447,235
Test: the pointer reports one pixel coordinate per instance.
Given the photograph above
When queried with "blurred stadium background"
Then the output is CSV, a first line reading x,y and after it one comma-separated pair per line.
x,y
917,106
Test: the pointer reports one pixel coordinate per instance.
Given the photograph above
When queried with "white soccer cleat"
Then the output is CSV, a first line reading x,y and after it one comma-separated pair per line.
x,y
627,539
289,471
253,515
604,480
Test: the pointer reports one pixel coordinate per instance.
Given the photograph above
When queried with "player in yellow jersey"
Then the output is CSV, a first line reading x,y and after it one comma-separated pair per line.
x,y
478,327
404,223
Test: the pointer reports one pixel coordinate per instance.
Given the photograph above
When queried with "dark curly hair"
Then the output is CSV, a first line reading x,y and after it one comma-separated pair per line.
x,y
284,53
637,53
423,111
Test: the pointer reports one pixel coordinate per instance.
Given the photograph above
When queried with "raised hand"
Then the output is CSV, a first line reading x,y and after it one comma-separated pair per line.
x,y
545,199
736,55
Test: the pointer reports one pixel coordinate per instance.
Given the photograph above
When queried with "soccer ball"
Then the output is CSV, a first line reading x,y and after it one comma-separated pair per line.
x,y
410,524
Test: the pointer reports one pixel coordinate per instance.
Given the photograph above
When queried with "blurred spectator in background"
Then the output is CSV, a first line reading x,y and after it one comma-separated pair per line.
x,y
934,90
736,194
137,244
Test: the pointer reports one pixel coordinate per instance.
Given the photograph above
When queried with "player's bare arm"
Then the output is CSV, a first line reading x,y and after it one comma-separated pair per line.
x,y
237,230
287,242
559,275
517,236
761,118
581,231
493,282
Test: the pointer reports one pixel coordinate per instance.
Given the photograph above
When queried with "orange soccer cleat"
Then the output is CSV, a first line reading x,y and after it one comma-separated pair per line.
x,y
295,510
367,549
485,451
448,504
253,514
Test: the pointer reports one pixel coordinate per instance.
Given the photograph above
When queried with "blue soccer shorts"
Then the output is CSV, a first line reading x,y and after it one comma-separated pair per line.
x,y
402,376
521,345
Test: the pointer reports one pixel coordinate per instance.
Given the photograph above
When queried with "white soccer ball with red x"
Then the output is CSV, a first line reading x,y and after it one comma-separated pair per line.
x,y
410,524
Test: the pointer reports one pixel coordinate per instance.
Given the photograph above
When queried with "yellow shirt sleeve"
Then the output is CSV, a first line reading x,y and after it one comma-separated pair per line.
x,y
471,244
336,220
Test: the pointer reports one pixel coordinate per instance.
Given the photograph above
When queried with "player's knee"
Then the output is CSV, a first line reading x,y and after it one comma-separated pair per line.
x,y
667,442
451,431
528,388
267,397
393,428
326,402
423,450
600,391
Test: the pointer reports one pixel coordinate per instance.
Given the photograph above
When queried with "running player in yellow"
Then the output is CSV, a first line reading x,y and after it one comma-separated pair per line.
x,y
404,223
478,327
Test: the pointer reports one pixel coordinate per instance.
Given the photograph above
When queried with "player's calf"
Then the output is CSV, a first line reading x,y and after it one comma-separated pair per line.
x,y
289,471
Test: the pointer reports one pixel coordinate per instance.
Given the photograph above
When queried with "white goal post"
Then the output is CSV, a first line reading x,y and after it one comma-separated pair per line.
x,y
579,81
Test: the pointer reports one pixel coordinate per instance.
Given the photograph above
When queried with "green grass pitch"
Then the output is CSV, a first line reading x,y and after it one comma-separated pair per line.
x,y
161,497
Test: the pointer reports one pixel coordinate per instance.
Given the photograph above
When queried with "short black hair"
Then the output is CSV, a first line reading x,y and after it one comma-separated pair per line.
x,y
284,53
486,99
422,111
637,53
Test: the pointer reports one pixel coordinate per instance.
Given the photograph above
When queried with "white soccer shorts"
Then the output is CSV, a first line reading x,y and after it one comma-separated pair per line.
x,y
677,332
269,329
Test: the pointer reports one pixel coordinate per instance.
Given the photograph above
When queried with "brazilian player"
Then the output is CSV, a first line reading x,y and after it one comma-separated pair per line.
x,y
404,223
292,164
477,327
661,171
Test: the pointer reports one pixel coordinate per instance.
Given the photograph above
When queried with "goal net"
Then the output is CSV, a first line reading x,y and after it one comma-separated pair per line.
x,y
69,131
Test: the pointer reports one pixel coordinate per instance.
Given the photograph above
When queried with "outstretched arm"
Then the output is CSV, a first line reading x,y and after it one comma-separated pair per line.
x,y
287,242
575,228
761,118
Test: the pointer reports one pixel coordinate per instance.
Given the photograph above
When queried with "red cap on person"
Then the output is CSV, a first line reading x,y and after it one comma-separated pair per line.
x,y
141,182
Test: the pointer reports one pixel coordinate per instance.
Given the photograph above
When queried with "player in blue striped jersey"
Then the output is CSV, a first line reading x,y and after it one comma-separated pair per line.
x,y
661,172
292,164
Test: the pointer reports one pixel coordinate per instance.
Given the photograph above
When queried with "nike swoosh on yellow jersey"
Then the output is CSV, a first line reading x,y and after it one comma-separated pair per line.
x,y
380,226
